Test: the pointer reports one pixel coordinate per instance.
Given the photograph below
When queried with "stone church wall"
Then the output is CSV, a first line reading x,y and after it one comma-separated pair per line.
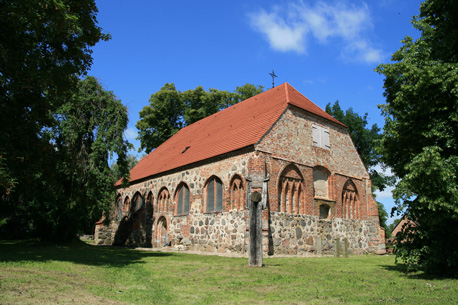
x,y
307,222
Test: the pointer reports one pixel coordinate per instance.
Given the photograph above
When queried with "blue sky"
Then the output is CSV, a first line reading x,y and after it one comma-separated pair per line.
x,y
327,50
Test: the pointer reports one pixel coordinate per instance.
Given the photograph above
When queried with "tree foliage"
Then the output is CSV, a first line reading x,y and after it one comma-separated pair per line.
x,y
45,46
392,226
365,140
170,110
89,131
420,141
68,193
117,170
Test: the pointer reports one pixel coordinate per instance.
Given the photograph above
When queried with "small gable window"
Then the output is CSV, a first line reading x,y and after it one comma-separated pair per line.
x,y
182,199
320,136
214,195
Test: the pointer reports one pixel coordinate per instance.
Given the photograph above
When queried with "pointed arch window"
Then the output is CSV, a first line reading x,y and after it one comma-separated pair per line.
x,y
137,202
163,200
182,199
237,193
150,200
126,205
214,193
350,201
290,191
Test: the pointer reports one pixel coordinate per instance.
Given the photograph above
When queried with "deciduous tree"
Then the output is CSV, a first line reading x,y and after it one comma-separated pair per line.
x,y
420,141
44,48
89,131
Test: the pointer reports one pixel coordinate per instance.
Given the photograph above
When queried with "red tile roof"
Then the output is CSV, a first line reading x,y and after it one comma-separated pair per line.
x,y
233,128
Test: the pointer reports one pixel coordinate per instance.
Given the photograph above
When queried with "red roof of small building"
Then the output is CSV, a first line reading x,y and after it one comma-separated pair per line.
x,y
233,128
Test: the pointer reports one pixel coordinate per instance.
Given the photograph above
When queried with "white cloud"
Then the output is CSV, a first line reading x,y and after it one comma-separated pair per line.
x,y
281,36
130,134
348,26
386,194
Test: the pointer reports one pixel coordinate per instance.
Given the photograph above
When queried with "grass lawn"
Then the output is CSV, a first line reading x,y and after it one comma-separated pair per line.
x,y
77,273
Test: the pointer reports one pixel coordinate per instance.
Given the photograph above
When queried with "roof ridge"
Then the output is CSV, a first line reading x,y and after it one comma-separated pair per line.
x,y
287,93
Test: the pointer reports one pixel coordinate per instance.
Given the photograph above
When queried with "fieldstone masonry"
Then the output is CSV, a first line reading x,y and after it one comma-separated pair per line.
x,y
315,196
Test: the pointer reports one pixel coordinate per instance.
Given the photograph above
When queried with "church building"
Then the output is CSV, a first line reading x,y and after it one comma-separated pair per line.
x,y
192,192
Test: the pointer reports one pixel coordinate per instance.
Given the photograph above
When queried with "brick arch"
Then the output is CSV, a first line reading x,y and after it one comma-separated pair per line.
x,y
126,205
163,200
291,190
150,199
237,193
213,194
182,198
351,207
137,202
161,236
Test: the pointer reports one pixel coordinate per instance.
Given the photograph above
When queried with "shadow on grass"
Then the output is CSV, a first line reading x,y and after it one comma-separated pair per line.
x,y
76,252
401,268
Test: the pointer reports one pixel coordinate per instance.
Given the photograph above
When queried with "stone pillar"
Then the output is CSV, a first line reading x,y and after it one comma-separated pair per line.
x,y
337,247
255,255
256,201
319,245
345,247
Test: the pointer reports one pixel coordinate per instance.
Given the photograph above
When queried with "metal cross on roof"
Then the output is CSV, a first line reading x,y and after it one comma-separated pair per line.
x,y
273,78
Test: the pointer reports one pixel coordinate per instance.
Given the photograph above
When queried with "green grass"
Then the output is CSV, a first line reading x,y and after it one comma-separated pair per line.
x,y
77,273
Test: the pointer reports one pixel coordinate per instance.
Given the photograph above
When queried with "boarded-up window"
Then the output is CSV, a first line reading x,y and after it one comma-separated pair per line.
x,y
214,195
182,200
320,182
320,136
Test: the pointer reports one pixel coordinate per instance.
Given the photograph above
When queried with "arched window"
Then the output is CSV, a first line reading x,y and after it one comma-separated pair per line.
x,y
350,202
214,193
182,199
290,191
126,205
149,200
163,200
320,182
237,193
137,202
